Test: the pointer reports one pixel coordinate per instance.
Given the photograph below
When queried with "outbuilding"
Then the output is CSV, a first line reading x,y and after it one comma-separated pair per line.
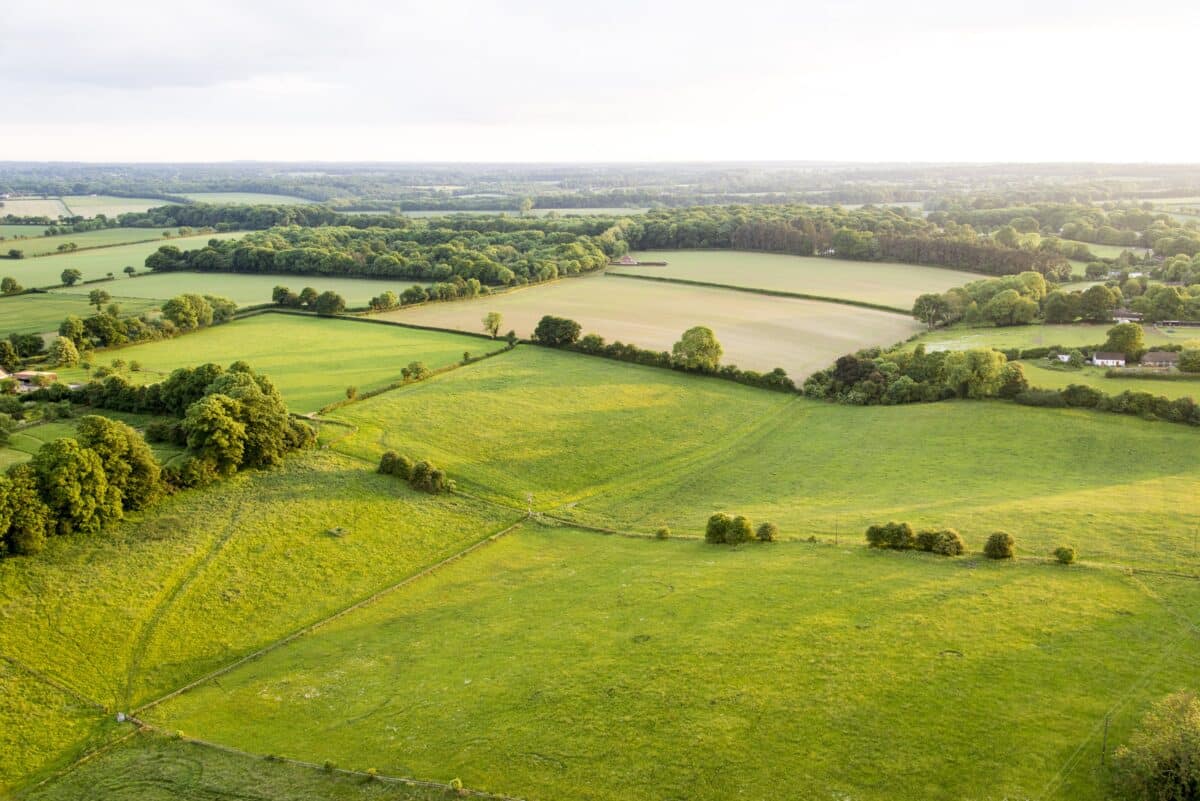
x,y
1108,359
1160,358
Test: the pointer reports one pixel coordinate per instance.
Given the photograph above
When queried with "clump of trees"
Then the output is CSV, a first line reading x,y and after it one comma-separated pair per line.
x,y
944,541
728,529
901,537
556,332
191,311
1161,761
421,475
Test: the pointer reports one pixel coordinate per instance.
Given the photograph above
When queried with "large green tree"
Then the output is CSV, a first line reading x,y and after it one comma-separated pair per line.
x,y
127,459
1127,338
698,349
931,309
215,433
27,518
73,484
976,373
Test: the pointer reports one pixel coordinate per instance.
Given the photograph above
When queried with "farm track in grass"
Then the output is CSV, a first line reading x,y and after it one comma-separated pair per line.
x,y
548,665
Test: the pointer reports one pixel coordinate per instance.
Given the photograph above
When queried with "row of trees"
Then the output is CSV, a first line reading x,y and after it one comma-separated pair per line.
x,y
727,529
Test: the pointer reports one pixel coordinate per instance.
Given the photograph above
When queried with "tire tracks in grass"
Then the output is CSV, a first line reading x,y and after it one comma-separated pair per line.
x,y
149,628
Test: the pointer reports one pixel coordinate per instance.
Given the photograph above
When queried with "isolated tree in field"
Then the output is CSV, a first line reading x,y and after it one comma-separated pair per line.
x,y
71,276
698,349
29,520
63,353
73,484
128,461
556,332
492,322
16,253
1161,761
999,546
1127,338
767,532
931,309
718,524
1065,555
130,270
97,298
10,360
308,296
9,286
328,304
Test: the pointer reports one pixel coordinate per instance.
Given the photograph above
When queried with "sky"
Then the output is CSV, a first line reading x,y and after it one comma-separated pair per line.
x,y
529,81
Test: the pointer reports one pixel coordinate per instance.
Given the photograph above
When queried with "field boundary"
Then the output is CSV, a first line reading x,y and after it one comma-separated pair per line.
x,y
775,293
144,727
298,633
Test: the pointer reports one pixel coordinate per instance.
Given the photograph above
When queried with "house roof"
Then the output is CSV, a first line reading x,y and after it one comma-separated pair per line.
x,y
1126,313
1160,356
1109,357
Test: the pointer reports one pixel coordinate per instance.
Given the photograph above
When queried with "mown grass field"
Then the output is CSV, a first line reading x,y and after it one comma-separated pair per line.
x,y
107,237
38,313
1112,251
19,231
204,578
1041,374
756,332
245,289
1038,336
244,198
109,205
564,664
44,271
51,207
869,282
311,360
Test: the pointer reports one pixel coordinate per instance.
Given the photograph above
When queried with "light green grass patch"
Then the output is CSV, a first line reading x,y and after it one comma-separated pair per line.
x,y
757,332
311,360
245,198
559,425
244,289
51,207
1043,375
110,206
105,237
1037,336
98,262
557,663
39,313
10,233
869,282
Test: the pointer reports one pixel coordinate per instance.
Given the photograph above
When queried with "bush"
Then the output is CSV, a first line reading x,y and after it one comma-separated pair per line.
x,y
714,532
943,541
999,546
387,462
663,533
1065,555
427,478
556,331
767,532
897,536
1160,762
738,531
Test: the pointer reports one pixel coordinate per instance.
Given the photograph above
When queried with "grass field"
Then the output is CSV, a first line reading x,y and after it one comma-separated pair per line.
x,y
757,332
156,768
534,212
1112,251
245,289
51,207
1037,336
1041,374
244,198
310,360
26,441
563,664
208,576
96,263
106,237
109,205
38,313
869,282
19,231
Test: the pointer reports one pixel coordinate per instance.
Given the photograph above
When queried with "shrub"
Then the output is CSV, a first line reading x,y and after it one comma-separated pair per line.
x,y
897,536
739,530
1160,761
663,533
387,462
351,392
950,543
1065,555
714,532
427,478
556,331
999,546
767,532
415,371
329,766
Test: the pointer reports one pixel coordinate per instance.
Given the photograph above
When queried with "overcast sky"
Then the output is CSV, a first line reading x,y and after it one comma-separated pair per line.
x,y
468,80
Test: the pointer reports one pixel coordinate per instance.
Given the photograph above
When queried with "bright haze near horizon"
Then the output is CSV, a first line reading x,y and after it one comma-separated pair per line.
x,y
857,80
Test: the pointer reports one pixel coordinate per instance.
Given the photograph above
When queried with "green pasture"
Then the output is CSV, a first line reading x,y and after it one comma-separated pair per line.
x,y
154,767
757,332
962,337
565,664
245,198
205,577
38,313
109,205
311,360
51,207
96,263
105,237
1113,251
558,425
880,283
246,289
14,232
1050,376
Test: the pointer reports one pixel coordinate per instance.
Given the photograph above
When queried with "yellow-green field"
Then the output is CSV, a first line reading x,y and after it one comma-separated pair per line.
x,y
756,331
51,207
38,313
1037,336
109,205
880,283
1046,376
105,237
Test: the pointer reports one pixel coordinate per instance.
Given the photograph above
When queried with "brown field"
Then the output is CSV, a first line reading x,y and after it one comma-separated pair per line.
x,y
757,332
